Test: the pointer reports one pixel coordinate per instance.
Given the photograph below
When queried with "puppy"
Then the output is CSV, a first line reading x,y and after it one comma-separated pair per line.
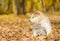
x,y
42,23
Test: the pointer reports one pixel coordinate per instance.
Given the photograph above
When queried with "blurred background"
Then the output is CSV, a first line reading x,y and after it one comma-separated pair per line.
x,y
28,6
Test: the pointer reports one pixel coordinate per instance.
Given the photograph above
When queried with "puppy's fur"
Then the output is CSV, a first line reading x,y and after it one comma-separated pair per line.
x,y
42,23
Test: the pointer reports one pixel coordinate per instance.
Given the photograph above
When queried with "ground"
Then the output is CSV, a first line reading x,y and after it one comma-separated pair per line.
x,y
18,28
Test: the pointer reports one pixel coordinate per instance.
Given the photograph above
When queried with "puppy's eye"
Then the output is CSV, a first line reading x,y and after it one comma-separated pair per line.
x,y
32,17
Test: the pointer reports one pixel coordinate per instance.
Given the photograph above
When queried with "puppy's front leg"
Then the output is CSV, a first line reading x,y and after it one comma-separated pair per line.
x,y
34,32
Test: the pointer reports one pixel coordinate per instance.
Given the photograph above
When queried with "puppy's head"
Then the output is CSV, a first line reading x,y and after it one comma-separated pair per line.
x,y
35,16
36,13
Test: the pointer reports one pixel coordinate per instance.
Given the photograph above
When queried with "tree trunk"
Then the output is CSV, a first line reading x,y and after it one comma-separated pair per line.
x,y
20,5
10,6
1,6
24,11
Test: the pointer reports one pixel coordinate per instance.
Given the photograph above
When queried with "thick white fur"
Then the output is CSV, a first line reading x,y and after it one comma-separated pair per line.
x,y
44,22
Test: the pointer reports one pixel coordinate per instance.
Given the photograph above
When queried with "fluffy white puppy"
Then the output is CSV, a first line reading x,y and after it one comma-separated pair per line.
x,y
42,23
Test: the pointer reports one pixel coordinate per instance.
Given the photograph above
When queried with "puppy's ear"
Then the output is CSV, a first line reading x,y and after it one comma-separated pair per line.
x,y
37,12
